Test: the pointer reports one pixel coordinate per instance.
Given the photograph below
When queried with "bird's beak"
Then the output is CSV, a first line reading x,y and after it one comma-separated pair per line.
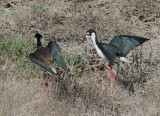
x,y
87,36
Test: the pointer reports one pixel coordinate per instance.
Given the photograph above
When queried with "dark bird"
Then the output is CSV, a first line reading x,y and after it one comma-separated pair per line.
x,y
44,57
116,49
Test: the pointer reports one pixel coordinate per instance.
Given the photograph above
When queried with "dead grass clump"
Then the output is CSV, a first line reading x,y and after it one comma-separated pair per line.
x,y
82,92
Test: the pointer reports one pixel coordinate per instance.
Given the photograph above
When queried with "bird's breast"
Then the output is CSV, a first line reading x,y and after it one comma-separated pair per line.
x,y
100,53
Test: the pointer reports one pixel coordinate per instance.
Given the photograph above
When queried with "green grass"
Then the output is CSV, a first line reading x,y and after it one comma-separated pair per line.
x,y
6,13
42,9
71,60
74,59
17,49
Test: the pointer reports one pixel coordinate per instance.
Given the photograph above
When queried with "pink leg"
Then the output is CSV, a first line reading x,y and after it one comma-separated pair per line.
x,y
43,87
48,92
110,77
113,77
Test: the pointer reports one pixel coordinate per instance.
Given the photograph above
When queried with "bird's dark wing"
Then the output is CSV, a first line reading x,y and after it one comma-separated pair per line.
x,y
125,43
108,51
57,54
40,63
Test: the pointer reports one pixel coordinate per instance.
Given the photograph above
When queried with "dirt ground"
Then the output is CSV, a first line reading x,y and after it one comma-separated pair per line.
x,y
137,87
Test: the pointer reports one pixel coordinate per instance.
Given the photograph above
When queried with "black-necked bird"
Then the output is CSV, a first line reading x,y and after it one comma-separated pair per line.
x,y
44,57
116,49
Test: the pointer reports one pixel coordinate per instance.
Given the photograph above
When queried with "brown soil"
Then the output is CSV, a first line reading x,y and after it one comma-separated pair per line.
x,y
137,88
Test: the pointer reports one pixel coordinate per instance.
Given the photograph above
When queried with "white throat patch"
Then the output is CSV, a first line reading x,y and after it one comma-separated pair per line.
x,y
93,36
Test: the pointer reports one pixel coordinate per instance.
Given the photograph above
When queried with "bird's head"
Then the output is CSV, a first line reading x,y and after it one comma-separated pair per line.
x,y
38,37
90,34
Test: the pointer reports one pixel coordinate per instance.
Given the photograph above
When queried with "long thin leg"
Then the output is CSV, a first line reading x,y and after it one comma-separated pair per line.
x,y
113,77
43,87
48,92
111,73
109,78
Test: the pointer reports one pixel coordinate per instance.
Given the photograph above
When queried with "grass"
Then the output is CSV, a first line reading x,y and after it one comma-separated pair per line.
x,y
74,58
42,9
6,13
80,93
18,48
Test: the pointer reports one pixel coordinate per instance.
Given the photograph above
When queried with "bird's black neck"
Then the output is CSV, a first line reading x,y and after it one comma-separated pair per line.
x,y
96,40
39,42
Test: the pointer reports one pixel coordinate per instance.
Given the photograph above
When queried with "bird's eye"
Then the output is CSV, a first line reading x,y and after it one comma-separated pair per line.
x,y
87,33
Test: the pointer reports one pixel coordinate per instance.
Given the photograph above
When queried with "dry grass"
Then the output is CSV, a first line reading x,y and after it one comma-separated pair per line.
x,y
137,89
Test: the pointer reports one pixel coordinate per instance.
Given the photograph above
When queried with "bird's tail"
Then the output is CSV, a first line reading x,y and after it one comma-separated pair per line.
x,y
53,69
124,59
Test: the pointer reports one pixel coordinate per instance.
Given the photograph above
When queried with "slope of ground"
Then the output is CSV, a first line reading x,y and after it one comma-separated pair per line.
x,y
137,88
